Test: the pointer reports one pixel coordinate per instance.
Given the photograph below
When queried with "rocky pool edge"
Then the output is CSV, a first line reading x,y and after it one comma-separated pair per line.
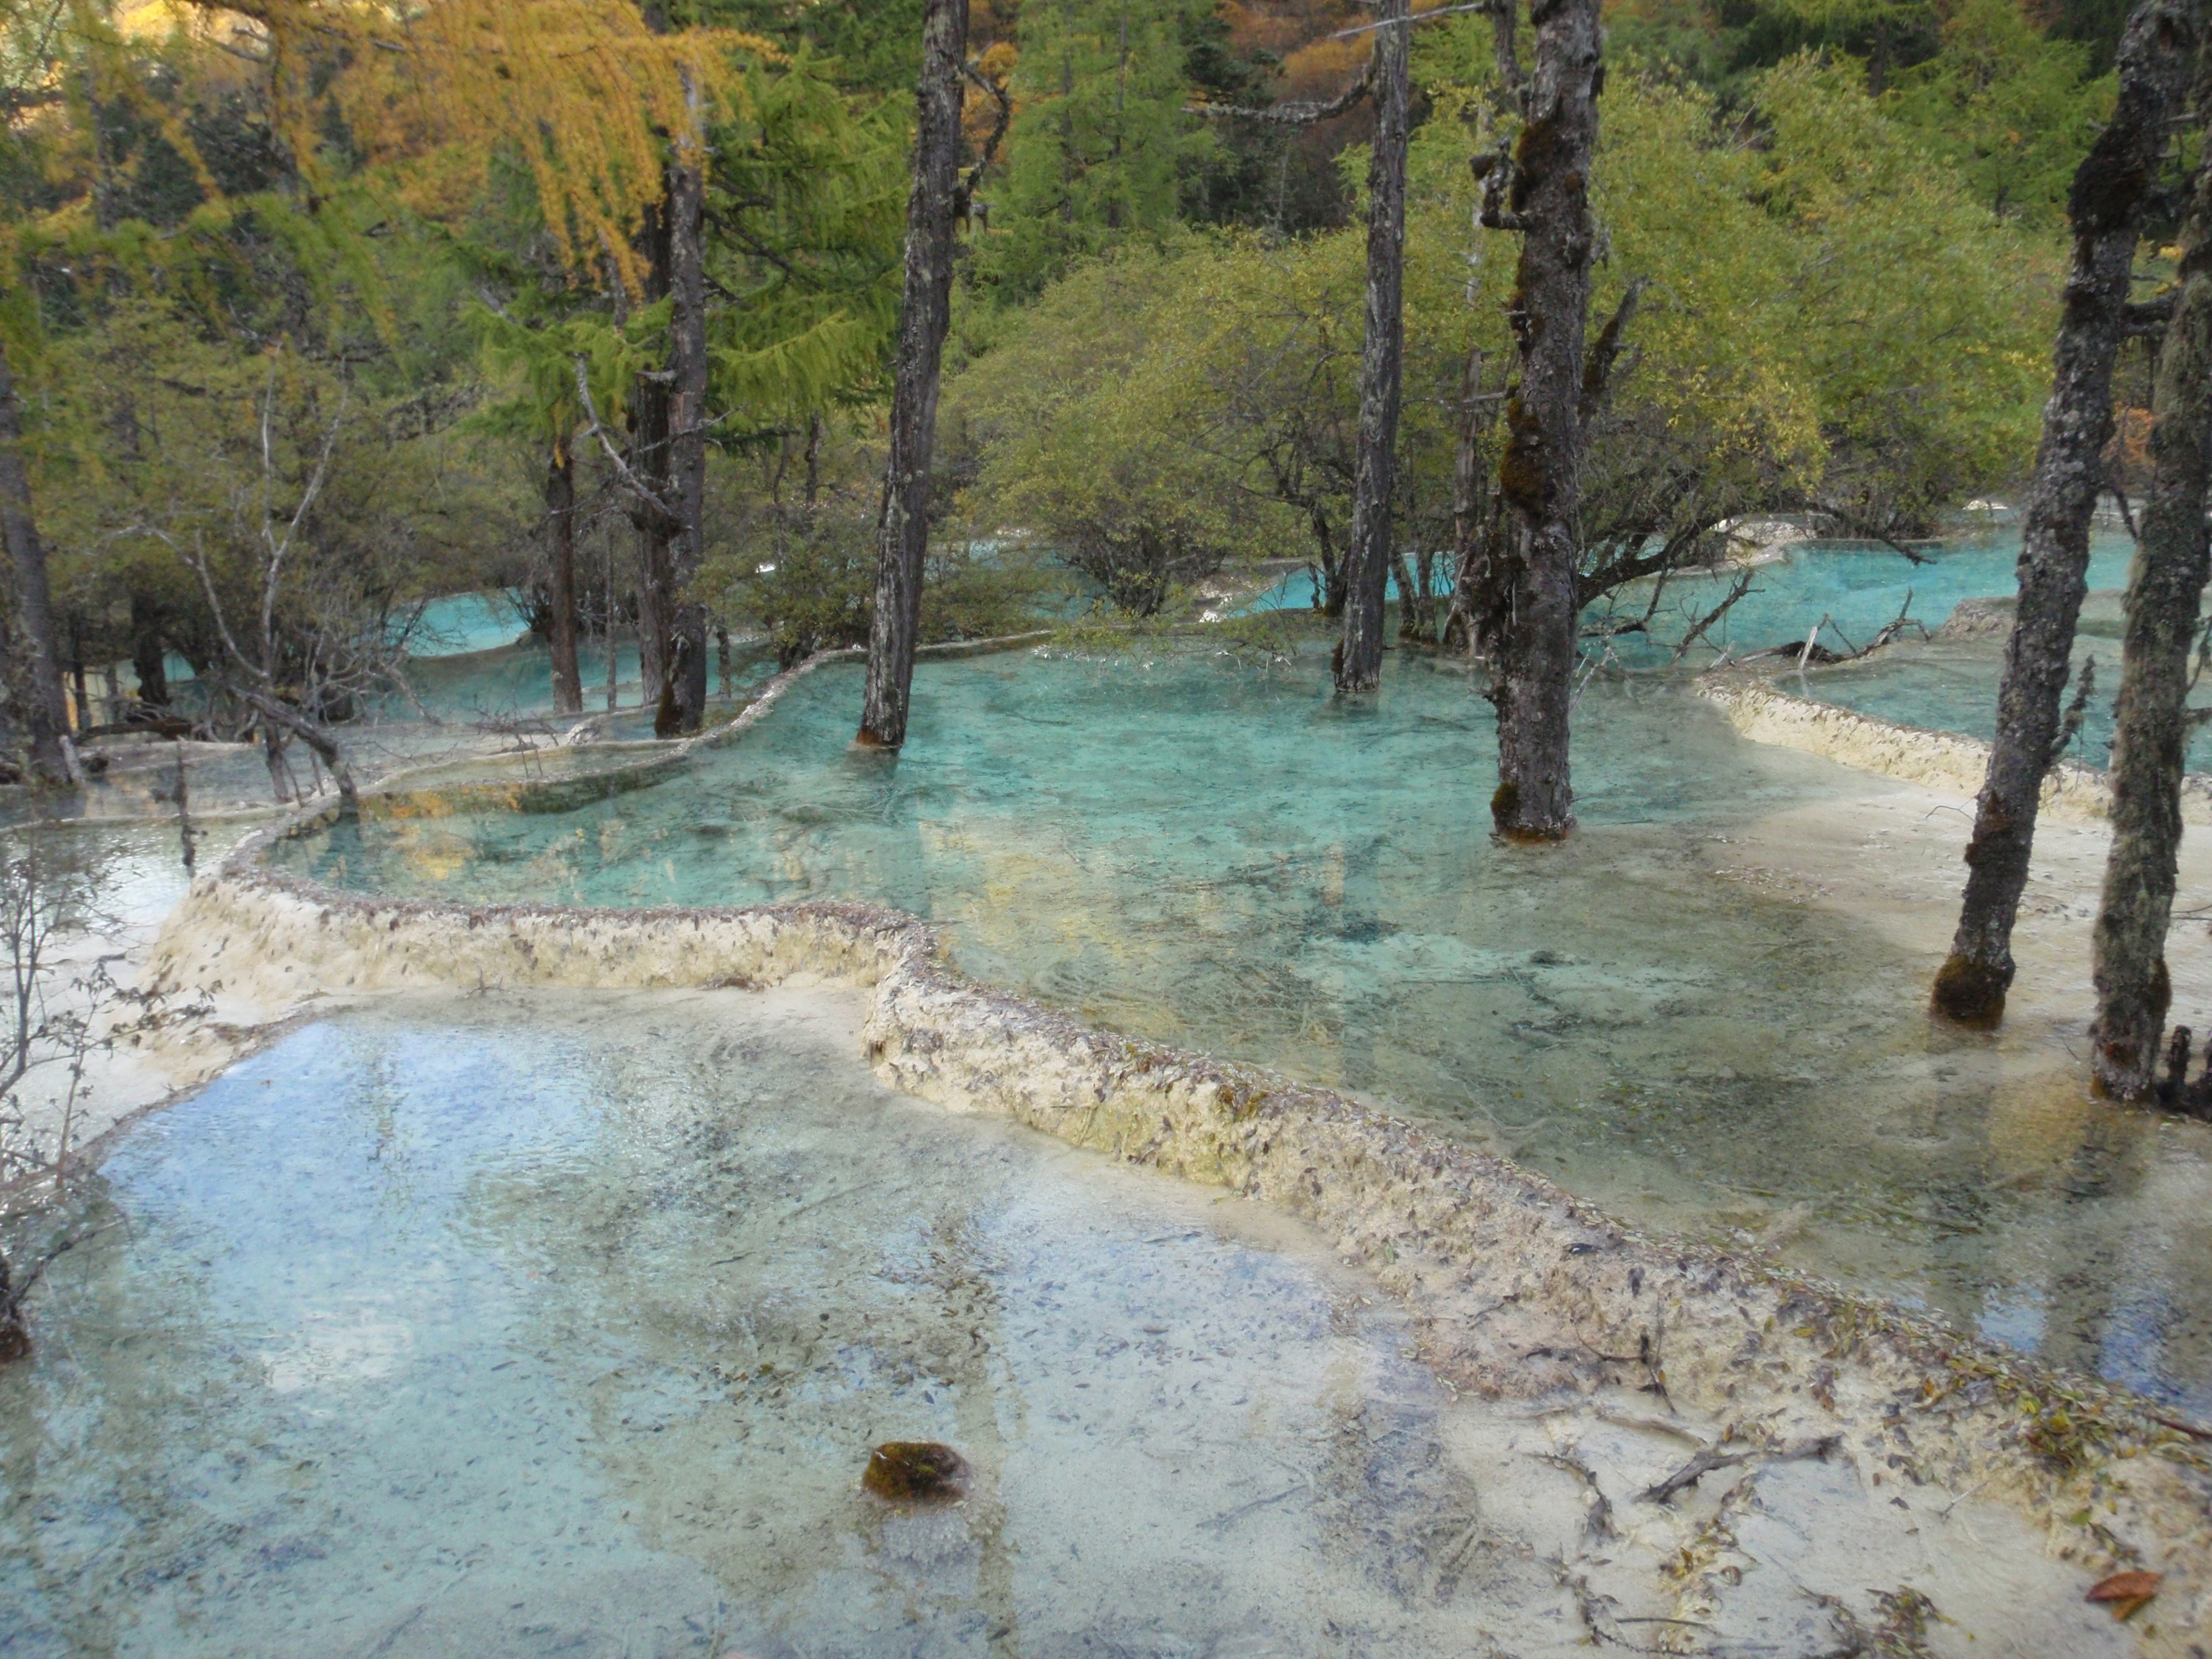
x,y
1519,1289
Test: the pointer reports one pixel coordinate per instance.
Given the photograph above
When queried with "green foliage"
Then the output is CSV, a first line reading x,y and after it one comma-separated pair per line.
x,y
1099,144
2012,112
813,591
806,204
1095,434
867,45
1826,318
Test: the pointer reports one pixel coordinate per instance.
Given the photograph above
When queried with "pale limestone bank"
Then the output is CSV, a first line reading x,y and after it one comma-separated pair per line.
x,y
1520,1290
1940,761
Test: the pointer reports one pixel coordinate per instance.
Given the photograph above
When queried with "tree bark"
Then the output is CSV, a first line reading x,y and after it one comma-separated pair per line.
x,y
651,408
683,679
2150,724
2106,208
46,716
1381,359
1528,619
1470,515
561,524
278,715
149,653
925,315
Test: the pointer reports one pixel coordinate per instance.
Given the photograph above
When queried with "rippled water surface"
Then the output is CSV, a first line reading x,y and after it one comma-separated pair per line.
x,y
1197,844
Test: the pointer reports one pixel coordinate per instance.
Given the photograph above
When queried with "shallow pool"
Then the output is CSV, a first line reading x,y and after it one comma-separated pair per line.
x,y
1202,847
565,1325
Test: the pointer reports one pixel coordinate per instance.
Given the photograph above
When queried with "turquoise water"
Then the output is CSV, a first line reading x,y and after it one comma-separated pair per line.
x,y
462,623
1200,846
1948,686
565,1325
1858,588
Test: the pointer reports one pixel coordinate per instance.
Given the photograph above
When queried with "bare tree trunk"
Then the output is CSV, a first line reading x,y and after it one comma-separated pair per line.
x,y
651,410
2150,727
149,653
46,716
2107,207
1470,546
1527,622
277,716
684,695
902,529
1381,360
560,522
1329,587
607,634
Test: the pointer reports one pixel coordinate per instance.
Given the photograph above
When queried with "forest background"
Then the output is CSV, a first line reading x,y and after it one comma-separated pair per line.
x,y
312,314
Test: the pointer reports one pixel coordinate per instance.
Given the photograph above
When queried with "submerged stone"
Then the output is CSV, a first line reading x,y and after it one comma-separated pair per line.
x,y
915,1471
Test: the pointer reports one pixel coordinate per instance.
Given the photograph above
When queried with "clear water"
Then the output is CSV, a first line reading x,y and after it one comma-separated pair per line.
x,y
565,1325
1858,588
462,623
1950,684
1203,848
1941,686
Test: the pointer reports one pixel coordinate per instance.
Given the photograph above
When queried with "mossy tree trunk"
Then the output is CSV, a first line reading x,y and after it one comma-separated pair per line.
x,y
925,315
1381,358
1526,623
46,709
560,526
2150,722
2106,208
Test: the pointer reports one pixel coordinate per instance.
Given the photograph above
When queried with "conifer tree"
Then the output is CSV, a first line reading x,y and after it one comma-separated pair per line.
x,y
1099,144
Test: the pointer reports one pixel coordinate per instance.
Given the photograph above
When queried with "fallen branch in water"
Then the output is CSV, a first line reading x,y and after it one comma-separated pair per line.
x,y
1711,1458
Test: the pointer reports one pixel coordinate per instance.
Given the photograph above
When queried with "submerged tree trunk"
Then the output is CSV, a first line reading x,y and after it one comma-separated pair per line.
x,y
2107,207
925,314
684,685
1381,360
1528,619
2150,724
561,524
46,713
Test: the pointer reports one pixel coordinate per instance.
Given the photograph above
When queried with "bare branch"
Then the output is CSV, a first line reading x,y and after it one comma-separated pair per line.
x,y
966,192
1292,115
1741,587
596,430
1417,17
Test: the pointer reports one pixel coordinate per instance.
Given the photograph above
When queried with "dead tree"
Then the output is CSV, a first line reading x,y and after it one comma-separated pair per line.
x,y
1526,620
925,315
2150,721
1381,358
46,710
2106,208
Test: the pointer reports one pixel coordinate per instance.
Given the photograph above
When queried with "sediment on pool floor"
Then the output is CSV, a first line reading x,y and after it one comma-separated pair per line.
x,y
1519,1288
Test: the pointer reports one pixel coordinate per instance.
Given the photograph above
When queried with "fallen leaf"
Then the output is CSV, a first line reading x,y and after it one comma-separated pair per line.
x,y
2128,1593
